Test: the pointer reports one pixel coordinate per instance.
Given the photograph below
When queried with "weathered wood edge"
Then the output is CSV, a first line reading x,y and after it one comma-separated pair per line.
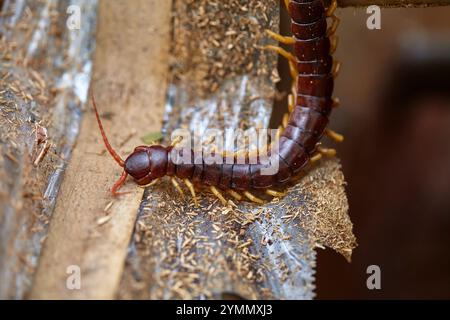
x,y
37,96
130,68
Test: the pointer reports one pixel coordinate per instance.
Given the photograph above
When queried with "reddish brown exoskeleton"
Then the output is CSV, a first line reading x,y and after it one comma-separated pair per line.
x,y
310,105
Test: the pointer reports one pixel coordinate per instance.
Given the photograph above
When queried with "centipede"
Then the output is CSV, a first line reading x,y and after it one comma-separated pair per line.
x,y
313,70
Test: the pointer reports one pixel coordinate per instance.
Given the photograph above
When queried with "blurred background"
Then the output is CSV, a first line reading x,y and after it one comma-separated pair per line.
x,y
394,88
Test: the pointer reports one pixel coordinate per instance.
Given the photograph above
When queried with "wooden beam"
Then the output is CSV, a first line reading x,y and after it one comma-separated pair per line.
x,y
39,121
129,82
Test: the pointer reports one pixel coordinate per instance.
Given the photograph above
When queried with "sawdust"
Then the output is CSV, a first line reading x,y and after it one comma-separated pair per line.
x,y
197,253
326,202
256,252
219,40
24,97
35,136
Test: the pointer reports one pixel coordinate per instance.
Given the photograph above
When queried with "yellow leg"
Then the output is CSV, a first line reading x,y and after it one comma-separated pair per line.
x,y
279,132
293,70
176,141
280,38
234,194
291,103
334,25
177,186
150,184
192,190
218,195
275,193
282,52
316,157
336,68
286,3
334,135
294,89
334,44
251,197
327,152
285,121
336,102
332,8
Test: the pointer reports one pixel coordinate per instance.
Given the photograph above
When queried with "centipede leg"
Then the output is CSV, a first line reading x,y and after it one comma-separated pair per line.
x,y
275,193
119,184
176,141
177,186
285,120
253,198
294,90
332,8
291,103
289,56
316,157
336,102
190,186
234,194
334,135
334,44
279,132
218,195
329,152
280,38
150,184
336,68
293,70
334,25
282,52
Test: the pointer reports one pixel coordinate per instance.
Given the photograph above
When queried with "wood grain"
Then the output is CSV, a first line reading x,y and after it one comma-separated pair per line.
x,y
31,169
129,84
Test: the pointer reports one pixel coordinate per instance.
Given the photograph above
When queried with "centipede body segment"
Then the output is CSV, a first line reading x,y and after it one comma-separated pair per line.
x,y
311,103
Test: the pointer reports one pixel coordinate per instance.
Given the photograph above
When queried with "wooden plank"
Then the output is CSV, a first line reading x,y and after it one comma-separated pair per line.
x,y
129,77
37,96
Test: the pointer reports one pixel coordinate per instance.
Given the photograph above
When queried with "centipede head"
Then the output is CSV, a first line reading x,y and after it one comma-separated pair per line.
x,y
137,164
144,164
147,163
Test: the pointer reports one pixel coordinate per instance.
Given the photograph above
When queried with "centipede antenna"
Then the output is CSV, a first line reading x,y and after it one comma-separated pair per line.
x,y
119,184
110,149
